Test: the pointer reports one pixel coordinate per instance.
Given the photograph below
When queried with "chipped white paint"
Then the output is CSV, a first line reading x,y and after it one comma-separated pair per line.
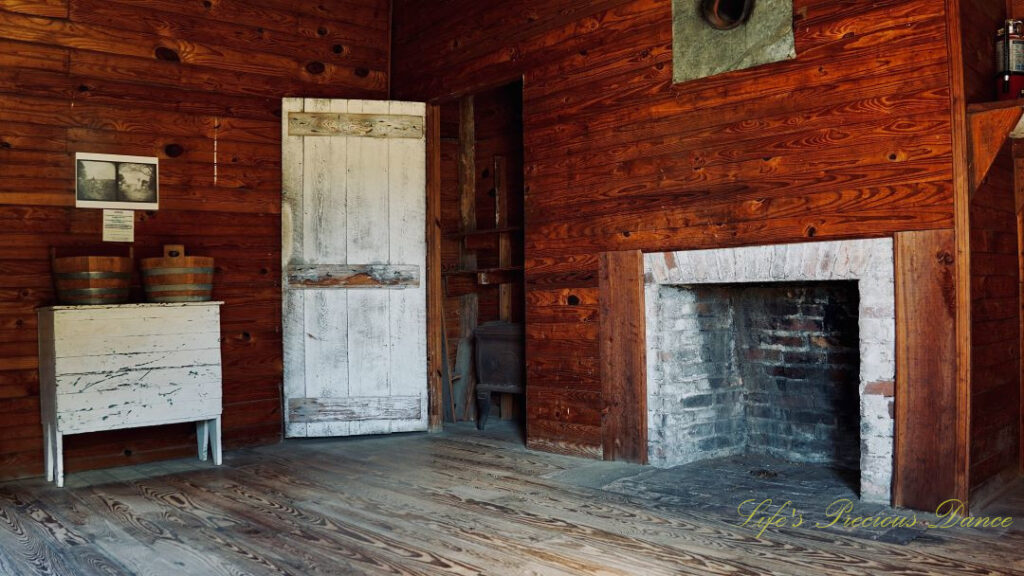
x,y
354,409
869,262
384,125
354,202
320,276
127,366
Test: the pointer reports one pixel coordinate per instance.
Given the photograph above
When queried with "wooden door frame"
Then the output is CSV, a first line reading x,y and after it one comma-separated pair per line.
x,y
434,280
435,288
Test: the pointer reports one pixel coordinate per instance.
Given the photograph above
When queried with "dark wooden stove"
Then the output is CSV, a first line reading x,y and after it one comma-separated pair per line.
x,y
500,364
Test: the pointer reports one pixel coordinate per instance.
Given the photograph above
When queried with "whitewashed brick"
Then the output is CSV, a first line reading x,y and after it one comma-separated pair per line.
x,y
868,261
878,330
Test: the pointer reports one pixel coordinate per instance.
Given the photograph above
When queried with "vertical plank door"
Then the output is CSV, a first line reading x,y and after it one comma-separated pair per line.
x,y
354,251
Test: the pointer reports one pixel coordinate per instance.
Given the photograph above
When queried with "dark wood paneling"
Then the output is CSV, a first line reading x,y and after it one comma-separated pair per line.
x,y
850,139
979,21
995,319
623,345
926,384
85,75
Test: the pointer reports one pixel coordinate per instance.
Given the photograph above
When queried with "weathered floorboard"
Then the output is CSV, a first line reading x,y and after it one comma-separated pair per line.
x,y
425,504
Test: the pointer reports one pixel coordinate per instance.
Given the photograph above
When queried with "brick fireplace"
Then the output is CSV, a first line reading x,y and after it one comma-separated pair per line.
x,y
786,351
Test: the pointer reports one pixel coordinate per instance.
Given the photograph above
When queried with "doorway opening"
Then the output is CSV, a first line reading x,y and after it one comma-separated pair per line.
x,y
481,245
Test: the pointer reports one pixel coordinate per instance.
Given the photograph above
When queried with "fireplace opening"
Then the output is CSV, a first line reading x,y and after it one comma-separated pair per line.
x,y
768,369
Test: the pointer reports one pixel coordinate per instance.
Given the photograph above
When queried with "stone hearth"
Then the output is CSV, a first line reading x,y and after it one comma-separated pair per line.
x,y
784,350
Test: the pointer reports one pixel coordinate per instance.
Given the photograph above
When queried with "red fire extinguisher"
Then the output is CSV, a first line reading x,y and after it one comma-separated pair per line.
x,y
1010,60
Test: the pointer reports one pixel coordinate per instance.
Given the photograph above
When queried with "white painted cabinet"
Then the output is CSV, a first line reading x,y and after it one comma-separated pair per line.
x,y
120,366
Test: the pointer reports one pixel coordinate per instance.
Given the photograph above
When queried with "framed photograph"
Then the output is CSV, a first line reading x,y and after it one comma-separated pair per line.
x,y
115,181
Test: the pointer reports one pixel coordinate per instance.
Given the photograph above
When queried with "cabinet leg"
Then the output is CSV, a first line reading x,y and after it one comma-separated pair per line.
x,y
203,438
48,450
483,409
58,458
214,426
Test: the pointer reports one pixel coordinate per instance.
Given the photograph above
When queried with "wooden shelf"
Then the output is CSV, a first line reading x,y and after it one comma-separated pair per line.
x,y
994,105
989,124
490,276
484,232
481,270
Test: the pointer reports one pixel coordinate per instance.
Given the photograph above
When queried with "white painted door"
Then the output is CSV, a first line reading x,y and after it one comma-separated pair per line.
x,y
354,252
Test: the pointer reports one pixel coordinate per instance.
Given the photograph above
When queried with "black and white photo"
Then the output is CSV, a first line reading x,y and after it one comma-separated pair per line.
x,y
115,181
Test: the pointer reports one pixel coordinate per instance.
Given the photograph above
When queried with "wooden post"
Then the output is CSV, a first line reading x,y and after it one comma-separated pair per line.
x,y
501,207
435,324
1018,187
926,467
1018,190
504,242
962,232
469,307
623,349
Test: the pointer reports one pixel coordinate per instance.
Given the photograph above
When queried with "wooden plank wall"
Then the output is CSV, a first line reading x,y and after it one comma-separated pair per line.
x,y
995,318
979,21
992,397
851,139
198,85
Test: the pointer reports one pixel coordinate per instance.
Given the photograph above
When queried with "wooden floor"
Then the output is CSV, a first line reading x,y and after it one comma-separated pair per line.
x,y
424,504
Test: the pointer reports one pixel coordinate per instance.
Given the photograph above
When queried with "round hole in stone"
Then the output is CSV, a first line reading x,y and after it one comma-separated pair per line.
x,y
726,14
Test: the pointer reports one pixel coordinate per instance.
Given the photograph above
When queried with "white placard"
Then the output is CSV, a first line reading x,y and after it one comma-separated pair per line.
x,y
118,225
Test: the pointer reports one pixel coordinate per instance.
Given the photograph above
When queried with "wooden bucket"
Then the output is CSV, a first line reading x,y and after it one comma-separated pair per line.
x,y
83,280
176,277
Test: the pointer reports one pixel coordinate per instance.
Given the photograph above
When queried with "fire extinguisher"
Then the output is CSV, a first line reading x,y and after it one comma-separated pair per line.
x,y
1010,60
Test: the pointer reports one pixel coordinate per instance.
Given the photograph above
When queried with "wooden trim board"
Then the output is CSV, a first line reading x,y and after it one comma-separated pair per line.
x,y
321,276
623,350
925,455
962,232
354,409
436,360
366,125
